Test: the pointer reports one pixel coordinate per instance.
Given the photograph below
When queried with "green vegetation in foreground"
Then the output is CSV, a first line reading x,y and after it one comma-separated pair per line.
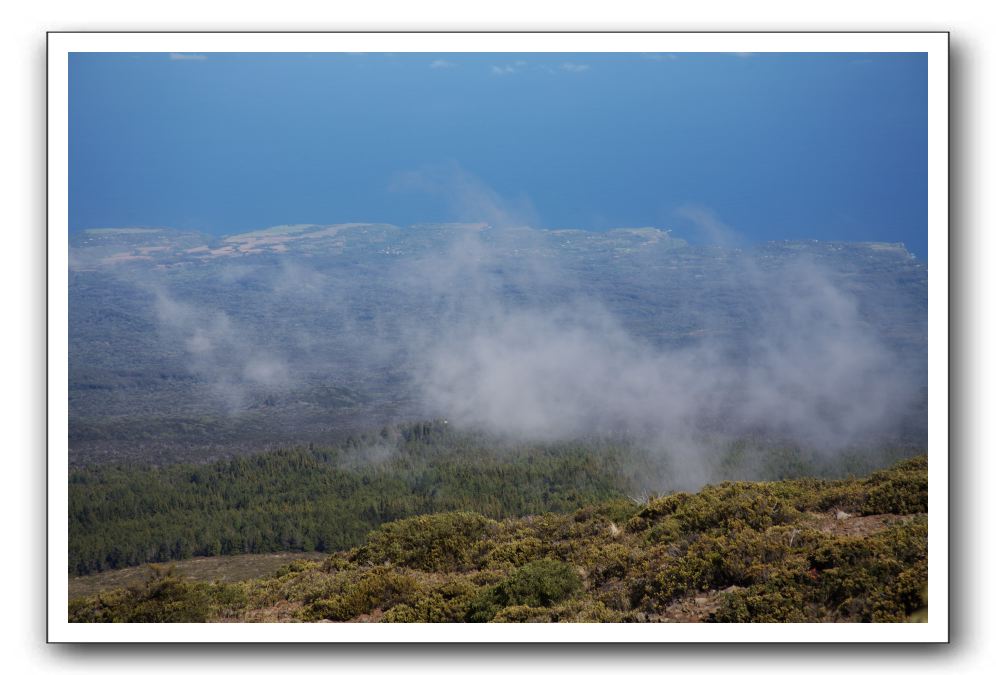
x,y
787,551
329,499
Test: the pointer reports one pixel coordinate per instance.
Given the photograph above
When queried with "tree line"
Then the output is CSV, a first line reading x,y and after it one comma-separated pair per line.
x,y
327,498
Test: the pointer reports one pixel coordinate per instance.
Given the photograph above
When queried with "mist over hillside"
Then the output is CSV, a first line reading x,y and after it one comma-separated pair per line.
x,y
188,346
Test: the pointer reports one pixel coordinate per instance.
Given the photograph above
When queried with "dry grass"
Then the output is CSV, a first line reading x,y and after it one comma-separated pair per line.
x,y
219,568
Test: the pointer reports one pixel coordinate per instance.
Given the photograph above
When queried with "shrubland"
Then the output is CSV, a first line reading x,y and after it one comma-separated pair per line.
x,y
806,549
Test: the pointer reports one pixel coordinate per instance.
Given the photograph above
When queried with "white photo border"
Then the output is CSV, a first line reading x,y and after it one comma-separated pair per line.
x,y
61,44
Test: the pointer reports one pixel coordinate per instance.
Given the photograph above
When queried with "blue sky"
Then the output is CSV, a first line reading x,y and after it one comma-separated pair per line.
x,y
777,146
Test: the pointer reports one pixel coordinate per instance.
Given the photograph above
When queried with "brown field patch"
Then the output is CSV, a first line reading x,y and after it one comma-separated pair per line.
x,y
226,568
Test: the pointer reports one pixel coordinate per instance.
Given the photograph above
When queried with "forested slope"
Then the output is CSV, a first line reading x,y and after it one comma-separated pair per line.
x,y
329,498
787,551
326,499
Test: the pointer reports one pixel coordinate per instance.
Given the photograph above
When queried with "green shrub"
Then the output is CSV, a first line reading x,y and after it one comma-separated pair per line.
x,y
656,510
612,561
337,562
573,611
878,578
755,504
739,556
443,542
515,553
377,589
904,494
229,599
522,614
164,598
848,496
780,600
616,510
873,579
295,566
540,583
448,602
402,614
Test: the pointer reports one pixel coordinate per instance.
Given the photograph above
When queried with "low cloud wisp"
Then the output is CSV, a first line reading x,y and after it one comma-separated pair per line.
x,y
498,325
807,366
520,349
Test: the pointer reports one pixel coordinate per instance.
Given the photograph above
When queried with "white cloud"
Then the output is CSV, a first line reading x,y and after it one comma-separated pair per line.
x,y
174,56
575,67
818,374
502,70
442,63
